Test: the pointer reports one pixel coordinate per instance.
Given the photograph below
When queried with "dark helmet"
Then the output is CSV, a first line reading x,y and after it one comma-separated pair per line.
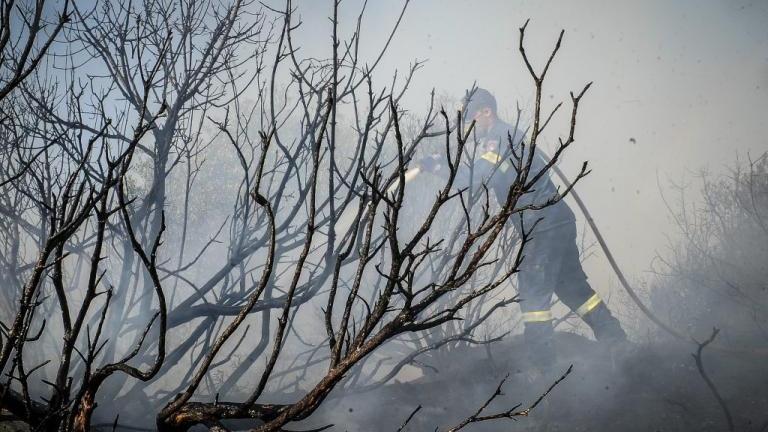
x,y
477,99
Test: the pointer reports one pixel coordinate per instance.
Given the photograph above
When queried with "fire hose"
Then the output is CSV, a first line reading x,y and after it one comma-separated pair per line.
x,y
612,261
623,280
413,173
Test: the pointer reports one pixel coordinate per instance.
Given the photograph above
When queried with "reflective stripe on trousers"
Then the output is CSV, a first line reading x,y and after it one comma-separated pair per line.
x,y
537,316
588,305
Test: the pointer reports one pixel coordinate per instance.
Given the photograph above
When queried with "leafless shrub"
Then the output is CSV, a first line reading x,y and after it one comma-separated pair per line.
x,y
716,275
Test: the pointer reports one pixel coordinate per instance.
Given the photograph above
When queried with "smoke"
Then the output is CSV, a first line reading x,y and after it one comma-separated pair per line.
x,y
678,87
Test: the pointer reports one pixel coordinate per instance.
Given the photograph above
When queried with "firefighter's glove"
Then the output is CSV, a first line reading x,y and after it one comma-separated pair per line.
x,y
432,163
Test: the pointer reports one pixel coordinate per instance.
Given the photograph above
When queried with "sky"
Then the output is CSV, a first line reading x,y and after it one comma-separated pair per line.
x,y
679,87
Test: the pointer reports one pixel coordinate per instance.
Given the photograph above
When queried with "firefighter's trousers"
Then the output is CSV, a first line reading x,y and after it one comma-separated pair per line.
x,y
552,265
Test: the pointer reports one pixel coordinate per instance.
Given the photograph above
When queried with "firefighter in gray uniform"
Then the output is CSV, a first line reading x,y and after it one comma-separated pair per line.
x,y
551,263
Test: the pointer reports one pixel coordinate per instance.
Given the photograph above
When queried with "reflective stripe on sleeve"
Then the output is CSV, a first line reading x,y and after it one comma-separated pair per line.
x,y
588,305
495,159
537,316
491,157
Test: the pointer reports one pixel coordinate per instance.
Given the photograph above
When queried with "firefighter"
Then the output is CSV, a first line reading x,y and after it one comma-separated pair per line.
x,y
551,264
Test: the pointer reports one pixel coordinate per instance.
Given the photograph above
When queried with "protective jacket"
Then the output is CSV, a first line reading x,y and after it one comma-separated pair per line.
x,y
490,162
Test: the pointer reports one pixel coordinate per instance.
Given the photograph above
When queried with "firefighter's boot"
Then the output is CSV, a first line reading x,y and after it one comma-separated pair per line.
x,y
540,345
605,326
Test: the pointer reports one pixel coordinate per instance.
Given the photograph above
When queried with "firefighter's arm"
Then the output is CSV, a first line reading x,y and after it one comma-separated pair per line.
x,y
488,168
